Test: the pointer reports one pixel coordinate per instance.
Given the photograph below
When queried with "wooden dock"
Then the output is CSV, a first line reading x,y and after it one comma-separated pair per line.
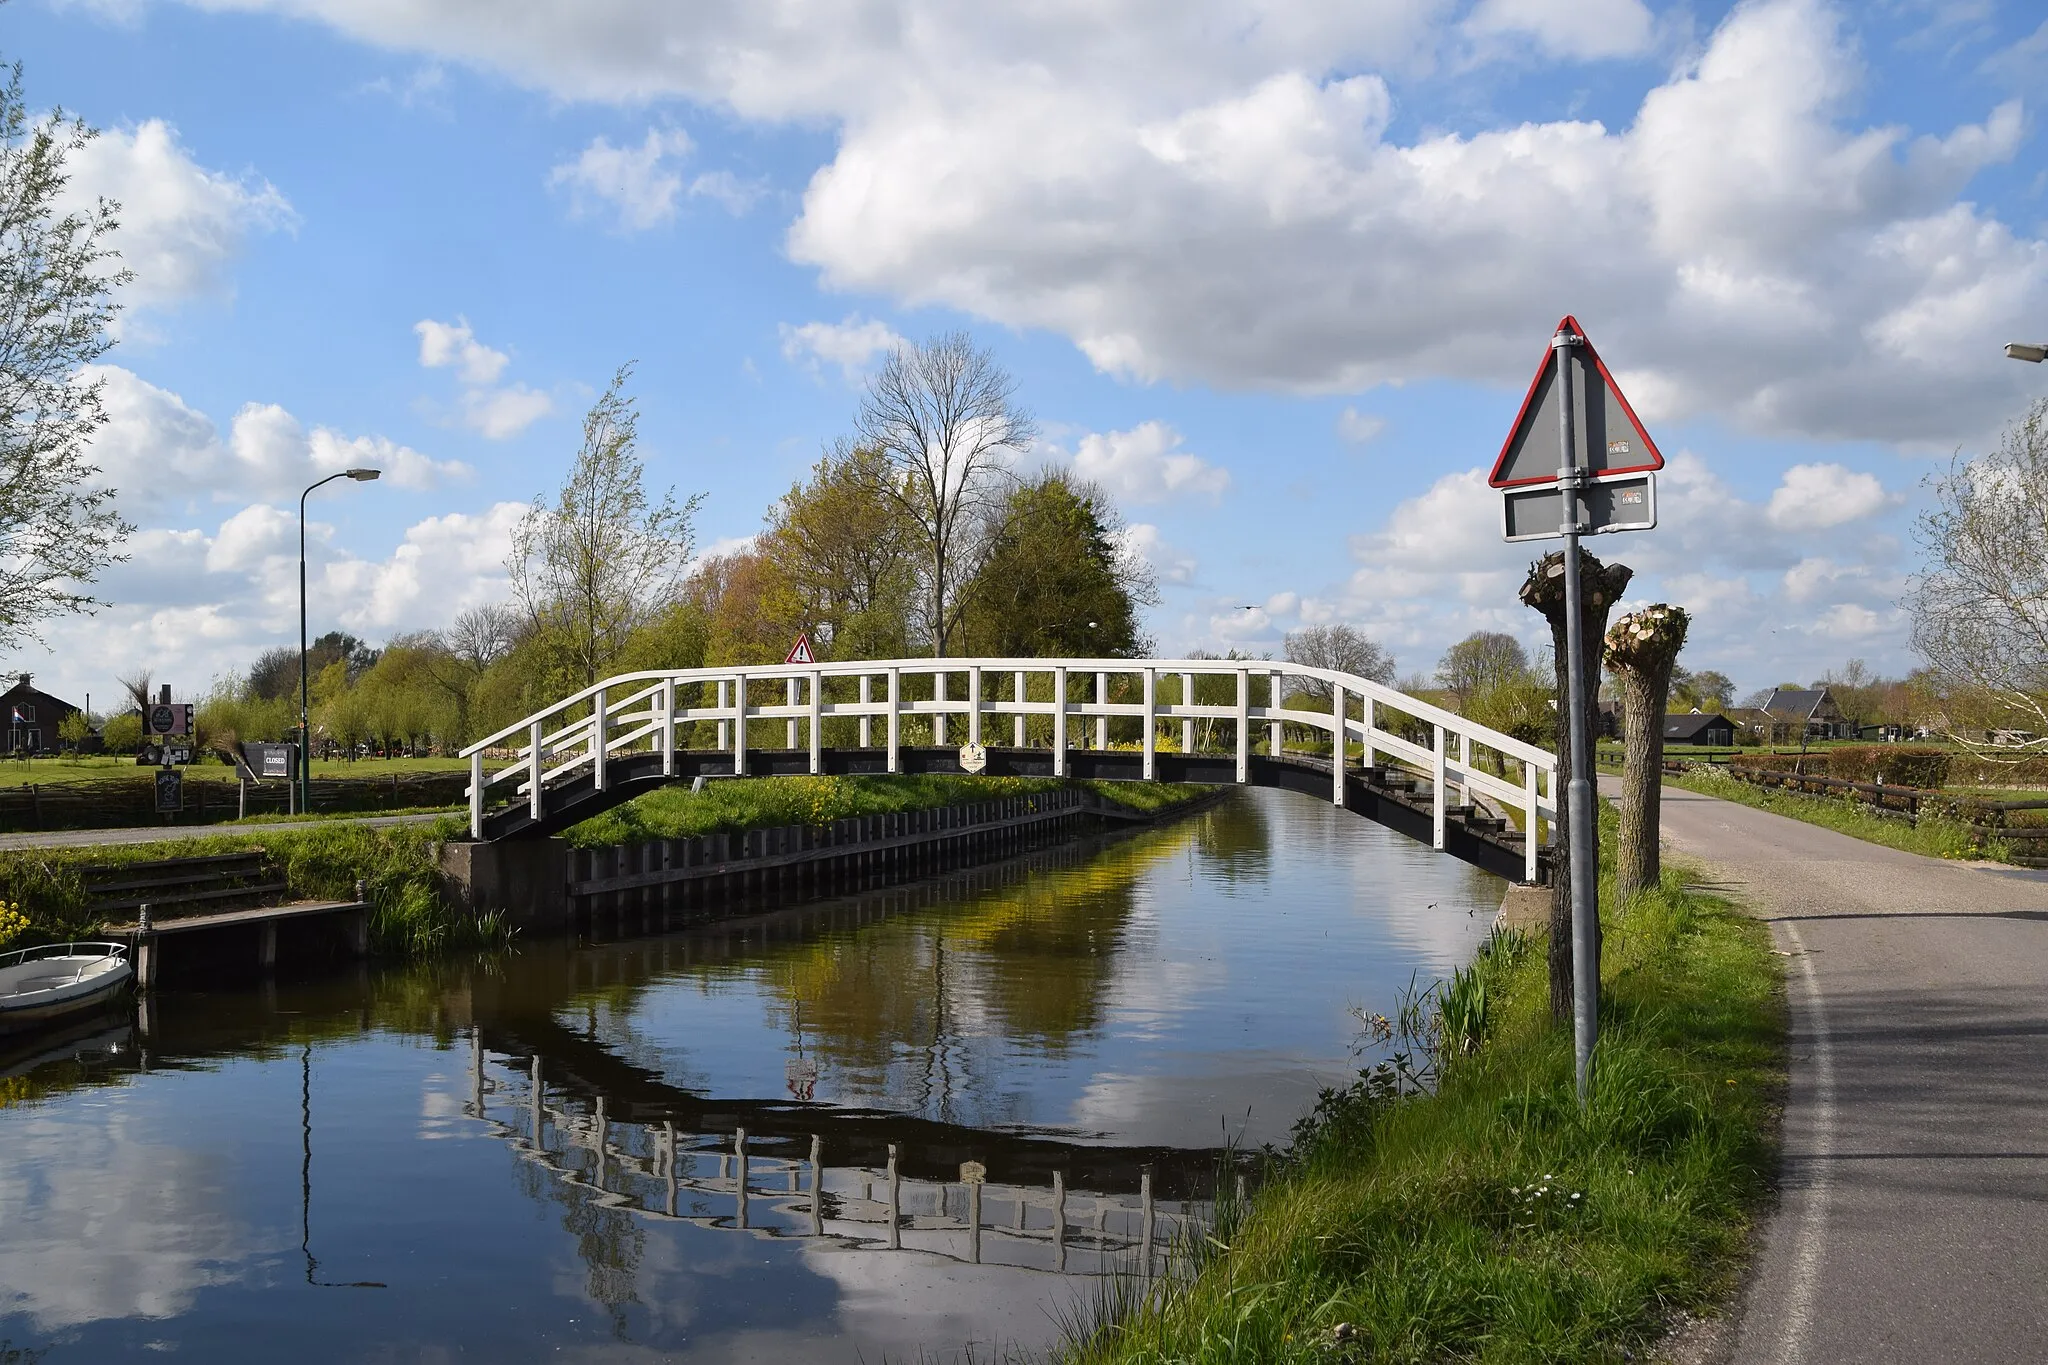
x,y
152,943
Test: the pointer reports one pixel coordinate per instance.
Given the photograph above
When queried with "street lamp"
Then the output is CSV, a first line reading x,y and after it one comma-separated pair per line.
x,y
2020,350
305,733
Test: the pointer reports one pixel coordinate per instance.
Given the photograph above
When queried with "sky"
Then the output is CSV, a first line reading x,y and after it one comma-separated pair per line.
x,y
1274,274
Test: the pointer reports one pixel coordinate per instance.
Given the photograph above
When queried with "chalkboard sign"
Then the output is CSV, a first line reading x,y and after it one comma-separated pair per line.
x,y
170,791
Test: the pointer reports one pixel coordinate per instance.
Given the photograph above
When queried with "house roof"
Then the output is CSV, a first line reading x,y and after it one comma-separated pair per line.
x,y
24,690
1690,725
1796,701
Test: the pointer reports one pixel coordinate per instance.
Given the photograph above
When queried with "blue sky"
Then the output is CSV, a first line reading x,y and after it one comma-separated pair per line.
x,y
1274,274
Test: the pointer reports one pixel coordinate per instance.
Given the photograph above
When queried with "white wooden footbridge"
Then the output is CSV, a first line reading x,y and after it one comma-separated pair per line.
x,y
1427,772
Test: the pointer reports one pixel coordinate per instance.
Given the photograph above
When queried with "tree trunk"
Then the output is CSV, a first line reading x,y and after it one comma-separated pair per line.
x,y
1644,696
1602,586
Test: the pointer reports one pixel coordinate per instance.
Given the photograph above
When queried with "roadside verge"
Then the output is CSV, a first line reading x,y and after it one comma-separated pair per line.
x,y
1492,1219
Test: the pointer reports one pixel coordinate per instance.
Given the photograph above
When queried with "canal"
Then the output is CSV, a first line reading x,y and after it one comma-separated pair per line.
x,y
964,1102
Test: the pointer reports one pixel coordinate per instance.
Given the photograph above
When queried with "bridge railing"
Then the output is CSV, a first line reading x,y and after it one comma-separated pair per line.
x,y
579,735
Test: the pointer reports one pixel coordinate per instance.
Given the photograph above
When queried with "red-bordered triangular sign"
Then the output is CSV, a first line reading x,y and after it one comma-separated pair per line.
x,y
1611,437
800,652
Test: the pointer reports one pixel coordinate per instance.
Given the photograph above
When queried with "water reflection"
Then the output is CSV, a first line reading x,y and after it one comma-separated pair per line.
x,y
960,1101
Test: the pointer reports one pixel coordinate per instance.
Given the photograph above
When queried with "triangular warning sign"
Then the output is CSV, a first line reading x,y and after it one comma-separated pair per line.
x,y
800,652
1609,436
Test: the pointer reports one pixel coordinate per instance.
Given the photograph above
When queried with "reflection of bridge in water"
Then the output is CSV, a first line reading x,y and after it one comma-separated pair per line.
x,y
725,1181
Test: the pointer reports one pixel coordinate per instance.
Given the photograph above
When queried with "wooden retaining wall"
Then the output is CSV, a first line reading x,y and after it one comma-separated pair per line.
x,y
711,876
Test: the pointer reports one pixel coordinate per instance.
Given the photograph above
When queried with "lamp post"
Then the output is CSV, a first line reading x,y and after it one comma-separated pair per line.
x,y
305,733
2021,350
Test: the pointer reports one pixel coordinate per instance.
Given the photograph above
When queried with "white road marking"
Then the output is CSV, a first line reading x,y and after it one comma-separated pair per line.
x,y
1810,1241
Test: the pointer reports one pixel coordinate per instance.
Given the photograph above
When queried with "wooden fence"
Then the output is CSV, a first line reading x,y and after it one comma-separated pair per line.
x,y
122,803
1987,819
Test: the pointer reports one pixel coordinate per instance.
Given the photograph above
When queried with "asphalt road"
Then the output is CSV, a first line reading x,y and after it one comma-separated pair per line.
x,y
88,838
1914,1218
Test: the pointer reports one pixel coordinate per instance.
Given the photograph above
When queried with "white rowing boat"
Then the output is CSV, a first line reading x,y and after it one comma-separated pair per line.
x,y
59,981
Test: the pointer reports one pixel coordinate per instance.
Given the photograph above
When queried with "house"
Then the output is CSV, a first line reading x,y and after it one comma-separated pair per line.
x,y
29,718
1805,713
1698,728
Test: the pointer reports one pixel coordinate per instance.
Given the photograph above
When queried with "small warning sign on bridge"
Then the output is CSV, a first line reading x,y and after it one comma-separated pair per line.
x,y
800,652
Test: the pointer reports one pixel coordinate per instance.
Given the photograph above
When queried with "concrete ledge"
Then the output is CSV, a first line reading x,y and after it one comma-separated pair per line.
x,y
1525,908
526,880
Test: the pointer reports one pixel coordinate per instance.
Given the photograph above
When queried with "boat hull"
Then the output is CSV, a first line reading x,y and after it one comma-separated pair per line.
x,y
36,995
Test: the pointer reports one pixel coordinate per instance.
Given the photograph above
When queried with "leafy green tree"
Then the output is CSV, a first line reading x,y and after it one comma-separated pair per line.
x,y
122,734
74,729
593,566
58,527
841,548
1056,579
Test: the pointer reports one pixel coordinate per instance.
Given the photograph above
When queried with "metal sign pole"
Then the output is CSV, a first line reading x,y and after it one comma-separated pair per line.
x,y
1585,871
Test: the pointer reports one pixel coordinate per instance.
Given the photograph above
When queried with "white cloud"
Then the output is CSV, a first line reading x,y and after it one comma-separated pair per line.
x,y
155,447
453,343
496,413
1818,496
1146,464
1209,192
1357,428
1570,29
853,345
1169,563
637,183
734,195
181,224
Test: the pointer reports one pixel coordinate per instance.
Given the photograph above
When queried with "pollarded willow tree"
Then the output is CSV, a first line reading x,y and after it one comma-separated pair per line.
x,y
58,271
1602,586
1980,607
1642,649
943,413
597,562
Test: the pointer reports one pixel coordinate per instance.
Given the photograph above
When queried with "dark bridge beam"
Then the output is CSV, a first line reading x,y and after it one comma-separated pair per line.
x,y
630,775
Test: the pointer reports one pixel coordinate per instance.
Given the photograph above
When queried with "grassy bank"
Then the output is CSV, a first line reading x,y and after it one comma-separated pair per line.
x,y
320,861
322,858
732,805
1492,1220
1934,835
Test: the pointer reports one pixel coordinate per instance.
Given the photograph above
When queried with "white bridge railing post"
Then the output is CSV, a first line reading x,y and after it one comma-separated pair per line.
x,y
1059,720
974,705
895,720
1017,730
536,803
867,729
1529,829
1244,725
597,734
476,795
666,735
1102,717
1437,784
817,723
1337,744
739,725
1151,722
1187,725
1274,737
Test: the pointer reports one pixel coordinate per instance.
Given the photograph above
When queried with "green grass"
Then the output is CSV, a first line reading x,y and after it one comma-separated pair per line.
x,y
732,805
1492,1220
321,862
1934,835
15,772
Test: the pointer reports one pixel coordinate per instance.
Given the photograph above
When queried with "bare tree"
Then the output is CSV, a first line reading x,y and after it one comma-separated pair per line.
x,y
1980,608
1341,648
1482,661
480,636
942,413
57,529
139,687
592,566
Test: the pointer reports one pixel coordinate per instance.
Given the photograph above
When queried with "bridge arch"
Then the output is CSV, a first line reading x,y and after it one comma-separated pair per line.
x,y
1432,774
